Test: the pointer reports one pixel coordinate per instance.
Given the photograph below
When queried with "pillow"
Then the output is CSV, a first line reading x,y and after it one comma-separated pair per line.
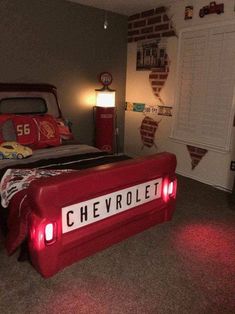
x,y
64,129
26,129
48,133
36,131
7,129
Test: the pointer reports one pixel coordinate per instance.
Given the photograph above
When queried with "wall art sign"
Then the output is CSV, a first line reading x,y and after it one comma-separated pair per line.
x,y
211,8
151,109
196,154
165,111
150,54
188,13
136,107
105,78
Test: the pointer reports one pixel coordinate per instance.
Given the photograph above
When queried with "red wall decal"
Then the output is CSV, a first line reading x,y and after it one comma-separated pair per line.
x,y
150,24
196,154
211,8
148,130
158,78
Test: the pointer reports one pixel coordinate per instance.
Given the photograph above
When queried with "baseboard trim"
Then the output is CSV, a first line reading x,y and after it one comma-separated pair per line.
x,y
204,181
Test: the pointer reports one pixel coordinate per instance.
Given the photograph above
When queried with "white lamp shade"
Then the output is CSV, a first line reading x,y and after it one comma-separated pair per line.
x,y
105,99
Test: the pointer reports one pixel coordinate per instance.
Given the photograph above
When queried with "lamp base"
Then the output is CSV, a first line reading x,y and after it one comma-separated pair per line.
x,y
104,128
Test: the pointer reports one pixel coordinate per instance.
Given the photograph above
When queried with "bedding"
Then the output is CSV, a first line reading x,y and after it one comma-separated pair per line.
x,y
51,155
16,180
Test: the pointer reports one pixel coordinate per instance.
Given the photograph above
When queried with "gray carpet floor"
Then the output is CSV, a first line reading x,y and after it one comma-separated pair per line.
x,y
183,266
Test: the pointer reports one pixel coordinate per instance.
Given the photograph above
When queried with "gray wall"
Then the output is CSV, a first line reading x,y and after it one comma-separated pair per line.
x,y
64,43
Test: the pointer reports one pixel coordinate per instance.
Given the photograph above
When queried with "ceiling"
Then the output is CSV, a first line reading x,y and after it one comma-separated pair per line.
x,y
125,7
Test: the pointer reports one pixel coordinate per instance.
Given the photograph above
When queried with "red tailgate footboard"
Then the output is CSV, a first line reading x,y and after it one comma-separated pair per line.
x,y
77,214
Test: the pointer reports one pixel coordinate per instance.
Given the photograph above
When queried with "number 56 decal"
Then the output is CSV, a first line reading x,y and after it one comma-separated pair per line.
x,y
23,129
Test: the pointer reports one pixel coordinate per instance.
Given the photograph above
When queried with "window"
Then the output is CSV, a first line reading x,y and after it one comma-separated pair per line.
x,y
205,93
23,105
8,146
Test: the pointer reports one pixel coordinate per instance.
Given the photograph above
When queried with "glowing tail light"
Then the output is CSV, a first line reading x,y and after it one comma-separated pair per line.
x,y
50,233
169,189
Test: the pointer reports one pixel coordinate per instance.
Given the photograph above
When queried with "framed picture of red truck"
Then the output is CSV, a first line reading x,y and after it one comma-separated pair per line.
x,y
213,7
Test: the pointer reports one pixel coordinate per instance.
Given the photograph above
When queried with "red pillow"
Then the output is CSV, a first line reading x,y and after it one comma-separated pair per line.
x,y
26,129
64,129
36,131
48,132
7,129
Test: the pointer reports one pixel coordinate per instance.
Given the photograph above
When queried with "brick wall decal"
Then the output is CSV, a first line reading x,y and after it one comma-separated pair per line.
x,y
152,25
158,77
196,154
148,130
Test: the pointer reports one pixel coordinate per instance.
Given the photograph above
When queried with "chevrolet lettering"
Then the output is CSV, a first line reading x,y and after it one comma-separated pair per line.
x,y
79,215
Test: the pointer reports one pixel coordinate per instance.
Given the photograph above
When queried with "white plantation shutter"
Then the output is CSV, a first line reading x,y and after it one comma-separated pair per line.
x,y
206,80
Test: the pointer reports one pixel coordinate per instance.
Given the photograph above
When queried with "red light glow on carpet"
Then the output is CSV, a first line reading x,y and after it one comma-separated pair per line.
x,y
209,241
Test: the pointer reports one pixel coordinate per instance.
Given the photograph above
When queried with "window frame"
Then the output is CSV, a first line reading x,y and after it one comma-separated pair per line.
x,y
173,137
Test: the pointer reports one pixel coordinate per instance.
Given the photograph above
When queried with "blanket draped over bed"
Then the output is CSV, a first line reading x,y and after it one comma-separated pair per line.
x,y
16,178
